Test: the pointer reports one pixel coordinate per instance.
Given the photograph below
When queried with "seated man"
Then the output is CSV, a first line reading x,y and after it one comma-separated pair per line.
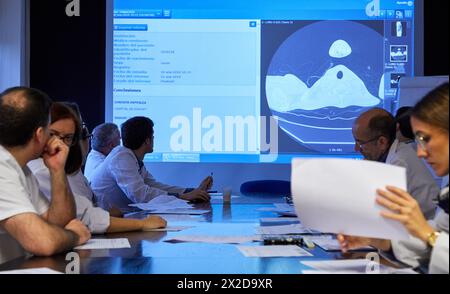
x,y
28,222
375,138
105,138
122,178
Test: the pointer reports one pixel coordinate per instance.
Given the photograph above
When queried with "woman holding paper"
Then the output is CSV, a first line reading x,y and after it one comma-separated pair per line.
x,y
431,242
66,124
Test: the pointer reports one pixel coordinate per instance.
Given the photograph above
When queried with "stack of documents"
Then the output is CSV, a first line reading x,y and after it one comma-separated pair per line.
x,y
169,229
273,251
296,229
181,218
163,203
169,205
105,244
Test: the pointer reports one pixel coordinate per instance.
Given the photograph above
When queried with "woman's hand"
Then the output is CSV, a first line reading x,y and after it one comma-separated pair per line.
x,y
404,209
351,242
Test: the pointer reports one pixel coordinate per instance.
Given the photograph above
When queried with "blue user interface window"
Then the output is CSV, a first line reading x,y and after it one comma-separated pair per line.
x,y
257,80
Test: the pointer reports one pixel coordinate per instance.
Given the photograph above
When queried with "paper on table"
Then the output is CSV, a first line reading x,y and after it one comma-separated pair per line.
x,y
338,196
354,266
215,239
175,218
294,229
284,206
168,229
273,251
279,207
163,203
328,243
32,271
181,211
105,244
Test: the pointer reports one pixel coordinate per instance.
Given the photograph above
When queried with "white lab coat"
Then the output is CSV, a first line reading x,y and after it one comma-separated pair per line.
x,y
93,160
119,182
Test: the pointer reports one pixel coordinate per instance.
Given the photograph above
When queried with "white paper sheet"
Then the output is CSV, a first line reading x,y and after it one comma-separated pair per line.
x,y
284,206
215,239
279,208
105,244
353,266
32,271
328,243
163,203
180,218
338,196
273,251
294,229
169,229
181,211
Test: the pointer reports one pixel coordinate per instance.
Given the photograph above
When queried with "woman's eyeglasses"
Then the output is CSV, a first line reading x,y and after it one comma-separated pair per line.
x,y
69,140
422,140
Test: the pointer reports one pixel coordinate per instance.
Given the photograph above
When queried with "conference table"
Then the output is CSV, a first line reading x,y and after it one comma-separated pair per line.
x,y
151,254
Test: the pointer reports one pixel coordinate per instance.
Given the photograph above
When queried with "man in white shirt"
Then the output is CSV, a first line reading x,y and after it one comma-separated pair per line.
x,y
375,138
105,138
122,179
28,222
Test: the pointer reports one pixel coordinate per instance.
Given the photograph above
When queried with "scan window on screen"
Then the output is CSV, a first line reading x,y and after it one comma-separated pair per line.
x,y
234,81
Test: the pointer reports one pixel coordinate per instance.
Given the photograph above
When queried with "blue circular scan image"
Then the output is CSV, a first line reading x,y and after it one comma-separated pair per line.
x,y
322,78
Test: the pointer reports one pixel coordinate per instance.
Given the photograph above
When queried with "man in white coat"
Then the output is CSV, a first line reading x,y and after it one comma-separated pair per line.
x,y
122,179
29,224
105,138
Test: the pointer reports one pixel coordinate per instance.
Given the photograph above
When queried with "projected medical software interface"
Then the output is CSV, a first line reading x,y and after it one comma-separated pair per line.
x,y
257,80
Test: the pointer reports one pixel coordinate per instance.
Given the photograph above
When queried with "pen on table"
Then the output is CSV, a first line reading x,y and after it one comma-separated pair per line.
x,y
83,215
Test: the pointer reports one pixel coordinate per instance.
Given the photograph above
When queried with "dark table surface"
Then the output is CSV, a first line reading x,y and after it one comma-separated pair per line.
x,y
149,254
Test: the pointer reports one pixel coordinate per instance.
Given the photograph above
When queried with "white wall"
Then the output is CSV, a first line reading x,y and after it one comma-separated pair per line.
x,y
13,44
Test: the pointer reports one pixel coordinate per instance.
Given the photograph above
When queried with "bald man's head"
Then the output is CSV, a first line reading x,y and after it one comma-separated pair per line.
x,y
374,132
22,111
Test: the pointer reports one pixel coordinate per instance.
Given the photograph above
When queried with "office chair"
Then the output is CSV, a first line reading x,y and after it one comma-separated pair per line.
x,y
266,188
